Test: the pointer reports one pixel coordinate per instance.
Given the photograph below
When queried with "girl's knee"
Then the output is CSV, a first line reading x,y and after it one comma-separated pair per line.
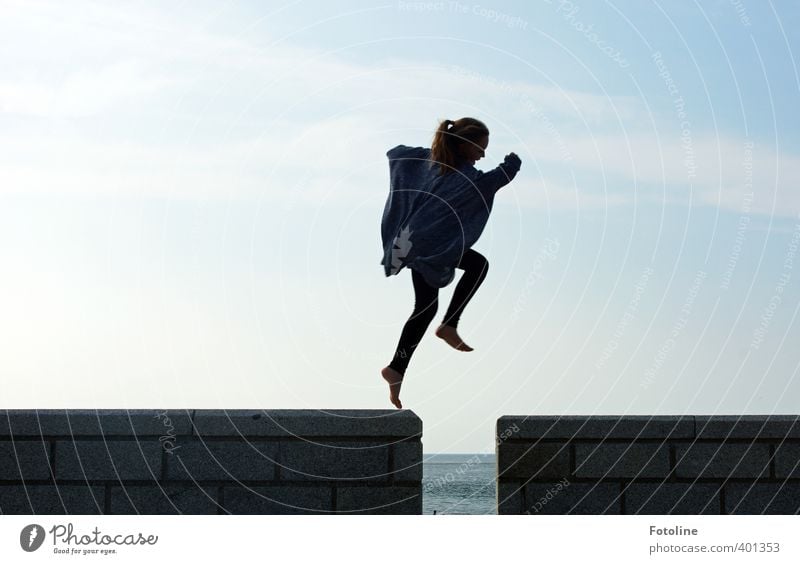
x,y
477,261
483,266
427,309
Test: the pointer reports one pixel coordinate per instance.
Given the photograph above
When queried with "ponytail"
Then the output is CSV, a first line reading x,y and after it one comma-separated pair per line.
x,y
444,148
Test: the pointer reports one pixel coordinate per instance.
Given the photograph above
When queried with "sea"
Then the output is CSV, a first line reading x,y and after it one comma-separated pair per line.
x,y
458,484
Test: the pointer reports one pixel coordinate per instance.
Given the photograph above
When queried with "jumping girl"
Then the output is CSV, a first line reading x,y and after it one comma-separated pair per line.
x,y
437,208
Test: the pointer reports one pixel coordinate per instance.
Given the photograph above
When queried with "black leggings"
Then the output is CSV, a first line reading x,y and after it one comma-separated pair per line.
x,y
426,302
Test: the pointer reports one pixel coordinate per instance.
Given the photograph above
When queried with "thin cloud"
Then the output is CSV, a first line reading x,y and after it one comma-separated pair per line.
x,y
240,116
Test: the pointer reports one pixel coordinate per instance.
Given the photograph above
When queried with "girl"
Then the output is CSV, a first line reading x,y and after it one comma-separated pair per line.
x,y
437,208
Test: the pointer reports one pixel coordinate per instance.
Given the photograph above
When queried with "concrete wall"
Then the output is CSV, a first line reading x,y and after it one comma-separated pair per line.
x,y
210,461
648,465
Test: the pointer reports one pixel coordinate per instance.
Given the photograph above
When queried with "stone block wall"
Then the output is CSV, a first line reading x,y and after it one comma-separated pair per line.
x,y
729,464
210,461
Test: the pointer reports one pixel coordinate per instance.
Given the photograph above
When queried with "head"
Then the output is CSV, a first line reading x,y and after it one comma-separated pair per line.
x,y
459,142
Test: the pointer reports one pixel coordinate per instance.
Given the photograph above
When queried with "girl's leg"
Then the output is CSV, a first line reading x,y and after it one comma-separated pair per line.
x,y
475,267
426,302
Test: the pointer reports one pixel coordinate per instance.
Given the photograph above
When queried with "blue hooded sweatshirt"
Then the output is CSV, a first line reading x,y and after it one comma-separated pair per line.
x,y
430,221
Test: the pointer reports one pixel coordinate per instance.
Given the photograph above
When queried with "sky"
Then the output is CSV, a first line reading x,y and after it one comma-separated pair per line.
x,y
191,197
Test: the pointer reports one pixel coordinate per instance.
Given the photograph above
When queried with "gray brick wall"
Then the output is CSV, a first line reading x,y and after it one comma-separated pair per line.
x,y
210,462
652,465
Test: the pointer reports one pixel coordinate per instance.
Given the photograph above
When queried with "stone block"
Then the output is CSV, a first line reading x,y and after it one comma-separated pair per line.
x,y
545,498
787,460
342,460
93,422
722,460
762,499
540,461
28,460
109,460
621,460
509,498
306,423
278,500
407,461
52,500
747,426
594,427
223,460
388,500
670,498
162,499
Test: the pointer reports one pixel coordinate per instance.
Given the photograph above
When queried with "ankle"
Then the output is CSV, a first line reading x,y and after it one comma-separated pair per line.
x,y
400,370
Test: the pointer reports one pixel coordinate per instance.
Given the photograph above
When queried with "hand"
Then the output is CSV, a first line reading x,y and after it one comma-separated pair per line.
x,y
512,160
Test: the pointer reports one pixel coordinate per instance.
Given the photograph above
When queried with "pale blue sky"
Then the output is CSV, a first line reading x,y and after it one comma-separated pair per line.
x,y
191,195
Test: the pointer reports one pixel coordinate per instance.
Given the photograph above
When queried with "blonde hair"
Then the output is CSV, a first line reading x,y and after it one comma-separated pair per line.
x,y
449,134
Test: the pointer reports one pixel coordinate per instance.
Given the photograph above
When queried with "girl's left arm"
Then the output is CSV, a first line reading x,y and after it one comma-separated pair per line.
x,y
490,182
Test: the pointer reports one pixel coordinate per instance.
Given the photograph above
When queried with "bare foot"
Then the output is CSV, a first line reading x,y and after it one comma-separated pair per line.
x,y
450,335
395,380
